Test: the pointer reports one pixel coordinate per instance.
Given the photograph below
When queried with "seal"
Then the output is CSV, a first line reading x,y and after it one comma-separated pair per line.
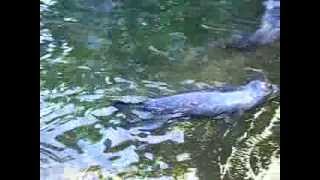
x,y
218,103
268,32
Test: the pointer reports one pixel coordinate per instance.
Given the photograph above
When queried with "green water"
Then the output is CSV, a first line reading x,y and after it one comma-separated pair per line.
x,y
91,55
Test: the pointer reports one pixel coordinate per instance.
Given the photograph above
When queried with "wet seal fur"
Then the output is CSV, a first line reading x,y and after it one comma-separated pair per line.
x,y
226,103
268,32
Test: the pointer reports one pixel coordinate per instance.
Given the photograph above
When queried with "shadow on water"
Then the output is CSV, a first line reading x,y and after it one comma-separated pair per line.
x,y
95,52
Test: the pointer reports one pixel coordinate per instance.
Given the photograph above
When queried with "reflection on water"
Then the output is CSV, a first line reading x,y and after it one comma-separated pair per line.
x,y
95,52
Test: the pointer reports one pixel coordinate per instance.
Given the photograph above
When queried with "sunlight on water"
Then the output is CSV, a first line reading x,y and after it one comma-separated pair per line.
x,y
239,160
93,53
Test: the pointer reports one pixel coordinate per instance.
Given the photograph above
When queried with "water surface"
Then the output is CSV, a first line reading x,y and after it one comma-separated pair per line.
x,y
94,52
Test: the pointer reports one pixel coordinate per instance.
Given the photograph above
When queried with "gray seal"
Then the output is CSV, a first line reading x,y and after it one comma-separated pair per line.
x,y
218,103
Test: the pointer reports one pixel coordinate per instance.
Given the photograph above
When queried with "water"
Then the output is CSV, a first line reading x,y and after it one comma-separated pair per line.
x,y
94,52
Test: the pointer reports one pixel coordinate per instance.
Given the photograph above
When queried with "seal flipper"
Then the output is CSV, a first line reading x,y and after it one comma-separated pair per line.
x,y
234,117
227,122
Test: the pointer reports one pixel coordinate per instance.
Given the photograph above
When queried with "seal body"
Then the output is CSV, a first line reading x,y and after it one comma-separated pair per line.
x,y
209,103
268,32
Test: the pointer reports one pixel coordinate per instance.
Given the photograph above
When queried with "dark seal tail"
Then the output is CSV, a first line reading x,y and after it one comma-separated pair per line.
x,y
120,105
126,107
135,114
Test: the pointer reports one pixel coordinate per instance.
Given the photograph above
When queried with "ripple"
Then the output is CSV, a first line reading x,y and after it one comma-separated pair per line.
x,y
130,99
53,112
91,56
104,111
90,97
238,164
